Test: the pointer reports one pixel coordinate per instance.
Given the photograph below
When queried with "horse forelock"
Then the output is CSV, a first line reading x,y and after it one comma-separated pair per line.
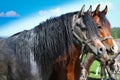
x,y
104,20
90,25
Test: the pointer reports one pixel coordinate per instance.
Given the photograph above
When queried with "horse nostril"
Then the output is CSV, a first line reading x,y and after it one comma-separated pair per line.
x,y
100,50
112,48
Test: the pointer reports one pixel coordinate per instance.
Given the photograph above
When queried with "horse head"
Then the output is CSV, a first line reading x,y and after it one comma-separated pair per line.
x,y
103,26
85,31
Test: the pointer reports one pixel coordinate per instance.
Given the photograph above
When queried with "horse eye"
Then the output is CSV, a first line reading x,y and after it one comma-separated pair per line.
x,y
99,27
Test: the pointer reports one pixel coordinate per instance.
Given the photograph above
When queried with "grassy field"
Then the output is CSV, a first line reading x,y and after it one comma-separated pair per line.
x,y
93,69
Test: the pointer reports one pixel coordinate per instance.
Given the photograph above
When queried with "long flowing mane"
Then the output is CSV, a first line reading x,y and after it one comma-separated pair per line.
x,y
45,42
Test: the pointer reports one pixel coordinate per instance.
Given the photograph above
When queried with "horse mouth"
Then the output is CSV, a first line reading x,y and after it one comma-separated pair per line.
x,y
110,53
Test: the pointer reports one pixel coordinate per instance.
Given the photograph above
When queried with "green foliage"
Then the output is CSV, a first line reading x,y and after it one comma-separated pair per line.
x,y
115,32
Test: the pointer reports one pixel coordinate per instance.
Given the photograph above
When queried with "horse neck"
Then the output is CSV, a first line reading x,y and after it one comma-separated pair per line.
x,y
55,35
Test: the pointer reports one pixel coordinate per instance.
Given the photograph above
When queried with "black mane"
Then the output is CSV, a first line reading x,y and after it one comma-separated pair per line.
x,y
90,24
46,42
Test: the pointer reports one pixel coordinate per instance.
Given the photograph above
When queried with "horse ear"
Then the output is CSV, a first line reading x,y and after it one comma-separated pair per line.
x,y
92,13
81,11
97,9
90,9
105,10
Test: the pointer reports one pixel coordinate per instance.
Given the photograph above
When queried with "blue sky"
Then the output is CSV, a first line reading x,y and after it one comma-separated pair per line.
x,y
19,15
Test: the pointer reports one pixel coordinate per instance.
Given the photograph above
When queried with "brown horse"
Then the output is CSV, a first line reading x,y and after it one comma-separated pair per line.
x,y
104,32
51,50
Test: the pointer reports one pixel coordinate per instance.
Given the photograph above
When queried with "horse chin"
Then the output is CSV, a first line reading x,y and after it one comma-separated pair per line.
x,y
94,50
114,50
98,54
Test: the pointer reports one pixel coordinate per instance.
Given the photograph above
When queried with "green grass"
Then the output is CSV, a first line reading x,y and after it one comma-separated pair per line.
x,y
93,69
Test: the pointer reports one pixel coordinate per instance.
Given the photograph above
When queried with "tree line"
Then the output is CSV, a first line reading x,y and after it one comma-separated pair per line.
x,y
115,32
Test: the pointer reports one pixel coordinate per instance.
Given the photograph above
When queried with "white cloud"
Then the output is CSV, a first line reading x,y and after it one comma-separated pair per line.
x,y
9,14
51,12
22,24
28,22
42,12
